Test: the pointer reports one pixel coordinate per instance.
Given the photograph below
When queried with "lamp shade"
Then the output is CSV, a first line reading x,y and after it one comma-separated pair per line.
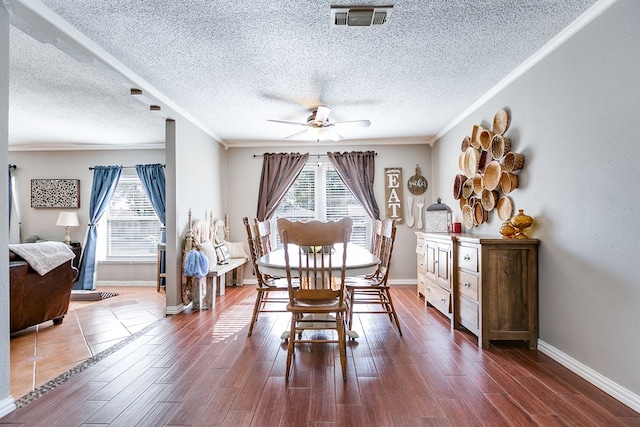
x,y
68,219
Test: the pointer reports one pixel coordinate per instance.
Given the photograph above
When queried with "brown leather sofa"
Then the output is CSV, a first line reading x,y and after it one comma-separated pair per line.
x,y
35,298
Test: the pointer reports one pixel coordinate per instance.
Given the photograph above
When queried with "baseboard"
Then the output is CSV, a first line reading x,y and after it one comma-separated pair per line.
x,y
603,383
117,283
174,309
402,282
7,406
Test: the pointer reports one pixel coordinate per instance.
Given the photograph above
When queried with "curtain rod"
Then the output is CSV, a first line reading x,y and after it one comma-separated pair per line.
x,y
310,155
12,166
123,167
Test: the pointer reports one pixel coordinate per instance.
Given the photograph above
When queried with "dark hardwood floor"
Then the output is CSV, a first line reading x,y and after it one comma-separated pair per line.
x,y
200,369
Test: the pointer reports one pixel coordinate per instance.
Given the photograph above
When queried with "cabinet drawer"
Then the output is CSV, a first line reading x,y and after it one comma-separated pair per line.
x,y
420,247
468,258
439,298
468,285
422,284
469,315
421,264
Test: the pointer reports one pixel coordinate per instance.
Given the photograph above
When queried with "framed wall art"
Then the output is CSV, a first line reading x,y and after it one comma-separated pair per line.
x,y
55,193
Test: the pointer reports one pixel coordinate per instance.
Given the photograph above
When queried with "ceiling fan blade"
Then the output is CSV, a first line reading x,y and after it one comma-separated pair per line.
x,y
322,113
296,134
354,123
332,135
287,123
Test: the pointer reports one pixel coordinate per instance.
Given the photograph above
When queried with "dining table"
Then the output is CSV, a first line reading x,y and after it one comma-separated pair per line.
x,y
359,262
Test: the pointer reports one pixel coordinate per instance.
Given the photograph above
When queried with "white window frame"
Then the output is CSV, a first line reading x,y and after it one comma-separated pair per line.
x,y
362,223
146,250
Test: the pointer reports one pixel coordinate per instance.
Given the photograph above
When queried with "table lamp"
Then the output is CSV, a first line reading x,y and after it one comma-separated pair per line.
x,y
66,220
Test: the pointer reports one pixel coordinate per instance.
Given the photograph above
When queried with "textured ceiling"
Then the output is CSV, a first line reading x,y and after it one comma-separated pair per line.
x,y
231,65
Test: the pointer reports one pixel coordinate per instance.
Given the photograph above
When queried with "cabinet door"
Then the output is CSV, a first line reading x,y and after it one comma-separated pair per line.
x,y
443,265
508,291
430,253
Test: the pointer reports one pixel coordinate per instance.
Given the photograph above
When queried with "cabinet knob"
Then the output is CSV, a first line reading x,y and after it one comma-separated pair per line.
x,y
467,257
443,300
467,285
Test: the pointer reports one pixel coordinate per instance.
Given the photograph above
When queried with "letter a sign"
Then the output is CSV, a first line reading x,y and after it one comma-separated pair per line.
x,y
393,194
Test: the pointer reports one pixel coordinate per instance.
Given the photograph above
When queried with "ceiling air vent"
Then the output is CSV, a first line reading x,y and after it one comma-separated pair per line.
x,y
360,16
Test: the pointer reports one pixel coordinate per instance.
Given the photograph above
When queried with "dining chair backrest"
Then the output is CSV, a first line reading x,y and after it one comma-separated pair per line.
x,y
375,244
253,243
387,240
380,228
314,271
262,230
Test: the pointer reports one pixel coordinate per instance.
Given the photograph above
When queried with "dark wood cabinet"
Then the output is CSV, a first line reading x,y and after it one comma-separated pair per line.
x,y
497,289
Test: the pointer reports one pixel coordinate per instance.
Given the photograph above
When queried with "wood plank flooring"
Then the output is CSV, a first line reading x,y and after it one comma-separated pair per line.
x,y
199,368
42,352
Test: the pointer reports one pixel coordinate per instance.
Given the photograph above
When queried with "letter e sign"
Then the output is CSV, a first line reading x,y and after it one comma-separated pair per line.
x,y
393,194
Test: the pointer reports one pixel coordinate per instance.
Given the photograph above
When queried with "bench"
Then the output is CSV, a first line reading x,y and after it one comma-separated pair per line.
x,y
216,273
197,234
222,269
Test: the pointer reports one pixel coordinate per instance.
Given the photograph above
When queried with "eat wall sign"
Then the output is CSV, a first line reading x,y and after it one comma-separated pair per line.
x,y
393,194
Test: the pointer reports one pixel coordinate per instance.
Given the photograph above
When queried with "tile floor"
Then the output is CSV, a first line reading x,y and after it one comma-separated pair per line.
x,y
41,353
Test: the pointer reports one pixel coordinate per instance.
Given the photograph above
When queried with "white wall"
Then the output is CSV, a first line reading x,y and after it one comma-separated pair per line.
x,y
6,401
196,181
575,116
75,165
244,179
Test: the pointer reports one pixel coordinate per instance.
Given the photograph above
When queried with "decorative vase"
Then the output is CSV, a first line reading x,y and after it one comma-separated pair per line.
x,y
507,230
520,222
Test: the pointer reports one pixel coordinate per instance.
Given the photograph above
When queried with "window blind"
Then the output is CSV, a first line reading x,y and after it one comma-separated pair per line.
x,y
133,229
319,193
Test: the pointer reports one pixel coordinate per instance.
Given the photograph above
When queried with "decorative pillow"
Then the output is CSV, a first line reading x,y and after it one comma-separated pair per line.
x,y
210,252
222,253
236,249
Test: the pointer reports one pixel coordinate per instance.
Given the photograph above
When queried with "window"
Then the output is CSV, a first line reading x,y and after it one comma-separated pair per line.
x,y
319,193
132,230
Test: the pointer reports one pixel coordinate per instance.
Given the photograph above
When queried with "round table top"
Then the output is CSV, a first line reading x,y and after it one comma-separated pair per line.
x,y
359,261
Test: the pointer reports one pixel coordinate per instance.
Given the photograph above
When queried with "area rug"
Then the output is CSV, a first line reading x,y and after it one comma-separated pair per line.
x,y
105,295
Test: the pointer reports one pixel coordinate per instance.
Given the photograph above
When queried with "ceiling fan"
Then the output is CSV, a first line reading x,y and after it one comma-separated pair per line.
x,y
318,125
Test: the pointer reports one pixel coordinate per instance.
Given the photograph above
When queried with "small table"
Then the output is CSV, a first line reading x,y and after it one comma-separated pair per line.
x,y
359,262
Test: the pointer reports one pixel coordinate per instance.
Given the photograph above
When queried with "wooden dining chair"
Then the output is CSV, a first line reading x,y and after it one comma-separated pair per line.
x,y
271,292
374,290
376,244
316,282
262,230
